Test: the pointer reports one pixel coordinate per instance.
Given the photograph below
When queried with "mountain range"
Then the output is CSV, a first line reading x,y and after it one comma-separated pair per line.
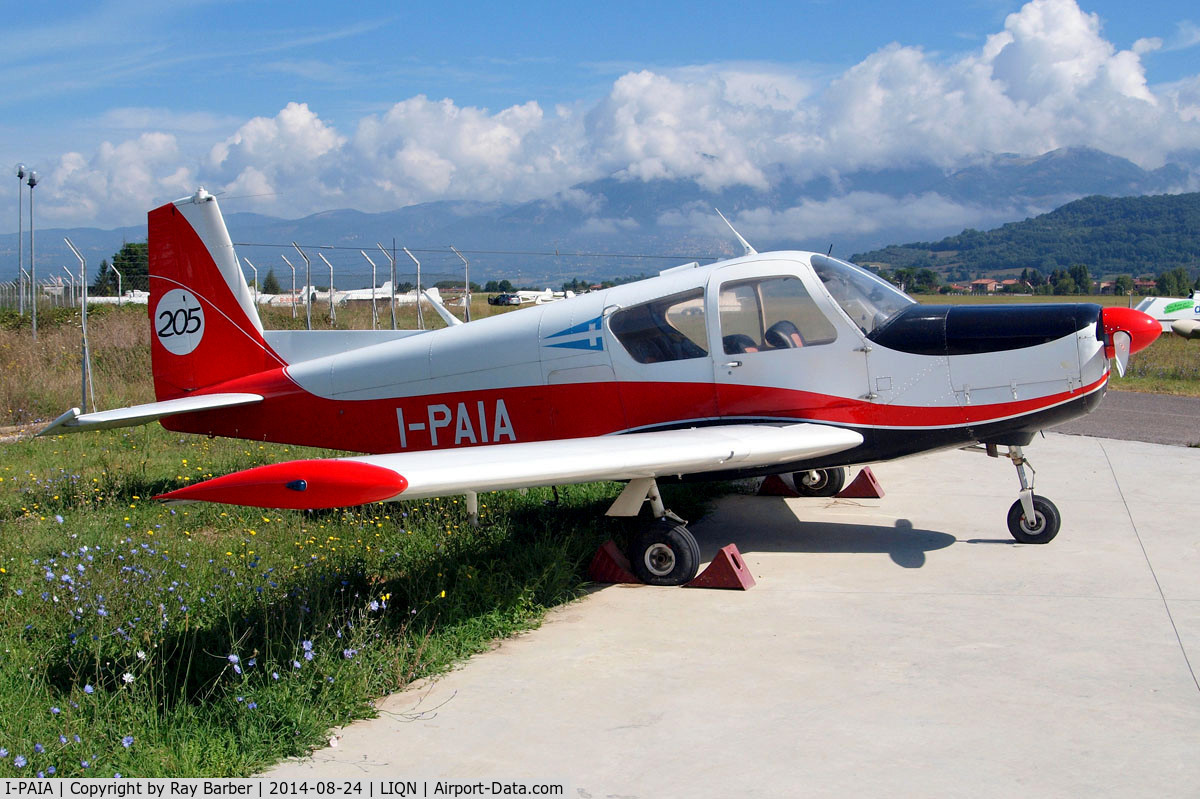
x,y
597,228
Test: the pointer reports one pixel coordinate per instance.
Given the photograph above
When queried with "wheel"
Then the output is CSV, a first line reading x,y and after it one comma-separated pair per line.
x,y
666,553
825,483
1045,523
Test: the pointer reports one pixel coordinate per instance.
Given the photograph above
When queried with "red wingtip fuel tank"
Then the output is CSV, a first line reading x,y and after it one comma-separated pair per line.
x,y
298,485
1142,328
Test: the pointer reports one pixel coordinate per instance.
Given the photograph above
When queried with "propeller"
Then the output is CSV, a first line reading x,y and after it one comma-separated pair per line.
x,y
1126,331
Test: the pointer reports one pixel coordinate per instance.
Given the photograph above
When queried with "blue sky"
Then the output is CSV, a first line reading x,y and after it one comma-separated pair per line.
x,y
122,105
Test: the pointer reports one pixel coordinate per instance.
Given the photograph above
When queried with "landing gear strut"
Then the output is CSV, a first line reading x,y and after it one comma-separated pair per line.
x,y
1032,519
666,552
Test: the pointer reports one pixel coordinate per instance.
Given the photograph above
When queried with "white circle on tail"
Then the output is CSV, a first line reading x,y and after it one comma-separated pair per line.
x,y
179,321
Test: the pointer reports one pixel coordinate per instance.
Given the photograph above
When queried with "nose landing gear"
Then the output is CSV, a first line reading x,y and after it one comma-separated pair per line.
x,y
1032,519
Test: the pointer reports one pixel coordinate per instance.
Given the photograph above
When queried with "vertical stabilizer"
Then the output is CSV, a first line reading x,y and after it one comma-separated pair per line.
x,y
205,328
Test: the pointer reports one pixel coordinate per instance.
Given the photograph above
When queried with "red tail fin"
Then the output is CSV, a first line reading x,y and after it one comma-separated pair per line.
x,y
205,328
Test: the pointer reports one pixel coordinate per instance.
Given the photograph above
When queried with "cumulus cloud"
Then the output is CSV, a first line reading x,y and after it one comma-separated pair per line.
x,y
1048,79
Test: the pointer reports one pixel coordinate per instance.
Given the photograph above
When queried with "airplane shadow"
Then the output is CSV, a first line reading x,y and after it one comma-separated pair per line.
x,y
776,529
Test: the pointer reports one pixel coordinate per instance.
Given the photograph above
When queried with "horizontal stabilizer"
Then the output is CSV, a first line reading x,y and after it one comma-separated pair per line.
x,y
74,422
412,475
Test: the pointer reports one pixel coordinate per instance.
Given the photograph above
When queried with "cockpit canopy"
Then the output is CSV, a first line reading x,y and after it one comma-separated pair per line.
x,y
868,300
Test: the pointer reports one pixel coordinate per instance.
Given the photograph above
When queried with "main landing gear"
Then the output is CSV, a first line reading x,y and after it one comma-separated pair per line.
x,y
666,552
1032,519
819,482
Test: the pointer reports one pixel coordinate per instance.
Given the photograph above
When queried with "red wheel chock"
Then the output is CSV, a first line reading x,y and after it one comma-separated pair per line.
x,y
727,570
865,486
609,565
774,486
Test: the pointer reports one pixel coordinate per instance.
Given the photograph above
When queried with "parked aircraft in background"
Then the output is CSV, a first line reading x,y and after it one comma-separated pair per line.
x,y
774,363
1168,310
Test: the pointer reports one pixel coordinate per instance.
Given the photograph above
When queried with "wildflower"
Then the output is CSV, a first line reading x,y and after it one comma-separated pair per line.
x,y
58,518
127,677
349,653
251,705
84,764
19,761
55,711
127,741
38,749
295,664
274,675
3,752
62,739
141,655
306,645
234,659
373,606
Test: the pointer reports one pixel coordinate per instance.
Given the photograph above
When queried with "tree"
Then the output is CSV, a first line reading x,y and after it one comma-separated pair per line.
x,y
507,287
1065,285
1083,281
1123,285
491,287
1173,283
271,283
106,282
133,262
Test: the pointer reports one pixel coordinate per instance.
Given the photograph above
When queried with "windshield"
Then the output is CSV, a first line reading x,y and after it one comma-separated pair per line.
x,y
866,299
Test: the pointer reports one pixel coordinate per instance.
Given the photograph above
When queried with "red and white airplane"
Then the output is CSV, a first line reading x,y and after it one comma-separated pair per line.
x,y
790,363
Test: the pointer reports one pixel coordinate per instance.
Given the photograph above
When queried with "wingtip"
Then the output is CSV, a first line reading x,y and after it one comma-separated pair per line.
x,y
297,485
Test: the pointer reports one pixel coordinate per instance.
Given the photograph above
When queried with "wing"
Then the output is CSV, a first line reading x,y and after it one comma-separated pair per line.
x,y
74,422
341,482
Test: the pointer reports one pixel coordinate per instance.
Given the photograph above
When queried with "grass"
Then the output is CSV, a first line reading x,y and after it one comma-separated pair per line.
x,y
216,640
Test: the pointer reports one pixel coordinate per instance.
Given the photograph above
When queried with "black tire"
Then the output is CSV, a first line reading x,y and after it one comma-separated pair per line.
x,y
828,482
1047,520
665,553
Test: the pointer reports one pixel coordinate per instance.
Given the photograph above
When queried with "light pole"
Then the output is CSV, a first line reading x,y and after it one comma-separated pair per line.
x,y
20,239
33,181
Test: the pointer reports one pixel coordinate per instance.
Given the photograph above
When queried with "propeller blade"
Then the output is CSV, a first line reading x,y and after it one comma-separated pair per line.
x,y
1122,342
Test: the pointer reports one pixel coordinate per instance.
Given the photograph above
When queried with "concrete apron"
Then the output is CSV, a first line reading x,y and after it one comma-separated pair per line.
x,y
897,646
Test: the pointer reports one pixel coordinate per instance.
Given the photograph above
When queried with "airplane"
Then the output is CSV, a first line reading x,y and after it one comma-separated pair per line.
x,y
1168,310
790,363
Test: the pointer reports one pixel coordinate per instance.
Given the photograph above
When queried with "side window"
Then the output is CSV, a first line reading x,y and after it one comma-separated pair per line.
x,y
772,313
667,329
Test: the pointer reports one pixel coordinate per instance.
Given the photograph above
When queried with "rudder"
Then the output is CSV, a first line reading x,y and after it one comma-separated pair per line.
x,y
205,329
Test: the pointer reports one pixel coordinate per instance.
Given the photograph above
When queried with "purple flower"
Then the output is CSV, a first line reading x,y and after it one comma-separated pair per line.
x,y
88,689
349,653
38,749
233,658
306,646
55,711
251,705
295,664
58,518
19,761
127,741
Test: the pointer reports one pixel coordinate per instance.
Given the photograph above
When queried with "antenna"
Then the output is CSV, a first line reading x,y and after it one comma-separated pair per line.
x,y
745,244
